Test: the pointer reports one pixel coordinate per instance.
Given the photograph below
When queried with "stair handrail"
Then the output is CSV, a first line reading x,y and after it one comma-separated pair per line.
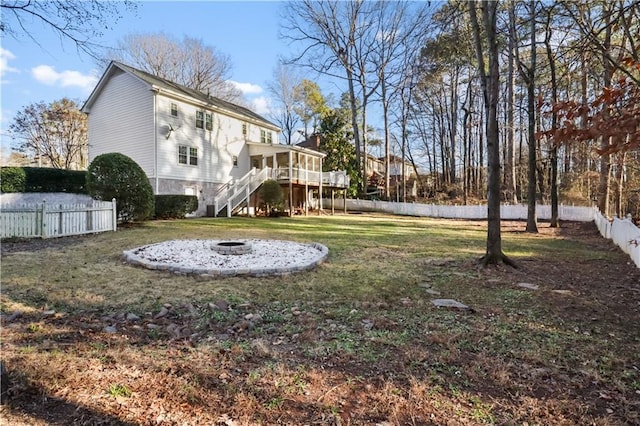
x,y
250,181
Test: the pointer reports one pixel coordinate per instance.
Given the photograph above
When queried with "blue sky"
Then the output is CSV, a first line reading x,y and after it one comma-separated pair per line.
x,y
245,31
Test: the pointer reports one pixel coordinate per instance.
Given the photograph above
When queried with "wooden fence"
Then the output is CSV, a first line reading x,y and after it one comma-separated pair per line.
x,y
47,220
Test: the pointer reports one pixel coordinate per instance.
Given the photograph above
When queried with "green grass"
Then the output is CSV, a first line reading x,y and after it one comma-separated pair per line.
x,y
363,320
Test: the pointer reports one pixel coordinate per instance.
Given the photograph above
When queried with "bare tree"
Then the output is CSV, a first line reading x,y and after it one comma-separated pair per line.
x,y
54,135
336,39
189,62
80,21
490,81
403,26
282,89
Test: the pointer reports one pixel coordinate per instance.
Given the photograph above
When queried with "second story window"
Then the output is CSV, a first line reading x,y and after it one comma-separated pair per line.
x,y
209,121
265,137
199,119
174,109
244,129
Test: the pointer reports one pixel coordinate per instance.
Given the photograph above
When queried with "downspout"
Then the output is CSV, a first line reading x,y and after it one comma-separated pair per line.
x,y
155,139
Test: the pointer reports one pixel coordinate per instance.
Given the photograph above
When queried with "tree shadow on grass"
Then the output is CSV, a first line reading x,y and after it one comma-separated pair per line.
x,y
55,411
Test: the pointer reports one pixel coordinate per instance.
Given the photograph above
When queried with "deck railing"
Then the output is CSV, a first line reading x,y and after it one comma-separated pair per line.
x,y
338,179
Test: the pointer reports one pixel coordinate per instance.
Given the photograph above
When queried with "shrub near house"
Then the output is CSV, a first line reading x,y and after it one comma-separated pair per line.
x,y
115,175
42,179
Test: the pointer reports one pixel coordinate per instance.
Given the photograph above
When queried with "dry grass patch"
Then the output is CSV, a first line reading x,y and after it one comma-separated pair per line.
x,y
355,341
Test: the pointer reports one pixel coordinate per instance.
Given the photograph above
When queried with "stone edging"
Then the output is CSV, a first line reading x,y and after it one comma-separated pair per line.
x,y
130,257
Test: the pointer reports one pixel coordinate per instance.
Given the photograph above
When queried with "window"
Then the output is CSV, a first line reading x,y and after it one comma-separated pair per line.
x,y
182,154
174,109
244,129
266,137
187,155
235,160
199,119
209,121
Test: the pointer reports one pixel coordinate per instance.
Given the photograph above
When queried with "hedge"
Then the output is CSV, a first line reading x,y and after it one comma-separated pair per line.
x,y
175,206
42,179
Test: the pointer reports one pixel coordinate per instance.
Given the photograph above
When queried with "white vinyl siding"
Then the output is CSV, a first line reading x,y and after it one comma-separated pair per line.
x,y
121,120
216,148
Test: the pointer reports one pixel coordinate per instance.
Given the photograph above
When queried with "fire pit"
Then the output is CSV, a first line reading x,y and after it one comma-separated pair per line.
x,y
227,258
232,247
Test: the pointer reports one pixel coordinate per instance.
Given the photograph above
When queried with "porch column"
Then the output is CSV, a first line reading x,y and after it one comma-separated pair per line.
x,y
320,195
306,184
290,183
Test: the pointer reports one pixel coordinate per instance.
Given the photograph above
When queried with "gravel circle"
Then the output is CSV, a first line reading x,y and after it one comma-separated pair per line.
x,y
267,257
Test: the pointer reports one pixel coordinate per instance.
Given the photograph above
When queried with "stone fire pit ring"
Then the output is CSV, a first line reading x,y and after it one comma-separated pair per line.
x,y
224,258
232,247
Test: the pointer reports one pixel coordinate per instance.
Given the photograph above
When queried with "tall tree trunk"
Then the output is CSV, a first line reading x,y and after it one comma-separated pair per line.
x,y
354,123
622,156
387,148
453,125
553,154
604,186
490,87
510,166
532,225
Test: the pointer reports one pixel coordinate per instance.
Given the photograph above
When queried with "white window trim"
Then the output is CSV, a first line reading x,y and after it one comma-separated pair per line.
x,y
188,156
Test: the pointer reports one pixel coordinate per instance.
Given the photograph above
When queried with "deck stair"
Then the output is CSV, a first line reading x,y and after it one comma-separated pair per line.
x,y
235,194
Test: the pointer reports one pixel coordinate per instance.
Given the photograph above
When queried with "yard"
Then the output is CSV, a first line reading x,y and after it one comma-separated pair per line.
x,y
88,339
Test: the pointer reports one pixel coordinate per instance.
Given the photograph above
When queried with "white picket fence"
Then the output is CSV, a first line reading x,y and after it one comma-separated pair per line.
x,y
46,220
623,233
507,212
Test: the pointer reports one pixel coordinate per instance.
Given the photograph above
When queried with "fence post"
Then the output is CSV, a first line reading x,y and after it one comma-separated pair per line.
x,y
114,214
43,220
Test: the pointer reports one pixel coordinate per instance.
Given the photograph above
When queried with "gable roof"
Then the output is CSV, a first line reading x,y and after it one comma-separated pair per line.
x,y
164,85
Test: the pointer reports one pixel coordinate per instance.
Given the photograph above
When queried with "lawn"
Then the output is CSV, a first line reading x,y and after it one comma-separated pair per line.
x,y
89,339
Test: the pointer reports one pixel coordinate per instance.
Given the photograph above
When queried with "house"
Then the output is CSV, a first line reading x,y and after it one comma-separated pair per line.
x,y
188,142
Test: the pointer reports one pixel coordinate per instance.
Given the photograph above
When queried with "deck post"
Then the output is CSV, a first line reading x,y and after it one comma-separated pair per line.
x,y
344,191
333,210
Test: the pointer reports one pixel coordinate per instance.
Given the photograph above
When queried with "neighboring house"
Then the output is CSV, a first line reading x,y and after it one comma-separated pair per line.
x,y
188,142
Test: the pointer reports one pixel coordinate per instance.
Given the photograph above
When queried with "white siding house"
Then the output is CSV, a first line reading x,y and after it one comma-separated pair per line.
x,y
186,141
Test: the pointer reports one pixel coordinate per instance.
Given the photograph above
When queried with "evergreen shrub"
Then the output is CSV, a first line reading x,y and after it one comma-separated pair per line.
x,y
115,175
174,206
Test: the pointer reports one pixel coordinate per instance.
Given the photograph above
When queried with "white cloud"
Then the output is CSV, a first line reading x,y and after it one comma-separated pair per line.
x,y
48,75
5,57
247,88
260,105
